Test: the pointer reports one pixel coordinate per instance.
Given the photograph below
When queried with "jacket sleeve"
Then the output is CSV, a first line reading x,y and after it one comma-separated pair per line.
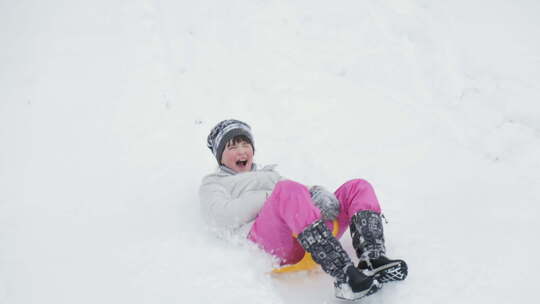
x,y
223,210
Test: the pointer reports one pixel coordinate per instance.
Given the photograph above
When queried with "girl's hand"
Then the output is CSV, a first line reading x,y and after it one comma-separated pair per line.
x,y
326,201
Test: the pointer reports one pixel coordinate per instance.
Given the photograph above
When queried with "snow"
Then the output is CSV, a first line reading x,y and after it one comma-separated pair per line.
x,y
105,107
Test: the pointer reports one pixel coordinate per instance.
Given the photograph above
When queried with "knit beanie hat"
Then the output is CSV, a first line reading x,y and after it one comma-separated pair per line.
x,y
223,132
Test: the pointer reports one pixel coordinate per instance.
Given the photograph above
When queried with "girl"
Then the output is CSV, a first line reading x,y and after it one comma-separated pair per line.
x,y
287,219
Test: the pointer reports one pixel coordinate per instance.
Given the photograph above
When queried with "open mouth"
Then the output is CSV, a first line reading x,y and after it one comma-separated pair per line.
x,y
241,163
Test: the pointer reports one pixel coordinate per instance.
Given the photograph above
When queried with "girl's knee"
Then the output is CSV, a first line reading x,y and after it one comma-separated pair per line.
x,y
359,182
289,185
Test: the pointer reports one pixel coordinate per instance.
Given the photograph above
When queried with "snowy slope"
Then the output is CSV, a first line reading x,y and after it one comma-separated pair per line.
x,y
105,107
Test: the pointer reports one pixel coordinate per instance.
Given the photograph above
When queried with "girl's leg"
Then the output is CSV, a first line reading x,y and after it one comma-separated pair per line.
x,y
286,213
360,206
289,212
354,196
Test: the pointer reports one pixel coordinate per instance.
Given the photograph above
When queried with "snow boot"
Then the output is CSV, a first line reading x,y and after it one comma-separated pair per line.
x,y
350,283
368,241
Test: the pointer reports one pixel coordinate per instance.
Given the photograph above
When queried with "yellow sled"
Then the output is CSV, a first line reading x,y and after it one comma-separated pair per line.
x,y
306,263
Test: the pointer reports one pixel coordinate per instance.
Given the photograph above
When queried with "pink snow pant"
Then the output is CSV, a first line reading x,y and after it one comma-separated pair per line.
x,y
289,210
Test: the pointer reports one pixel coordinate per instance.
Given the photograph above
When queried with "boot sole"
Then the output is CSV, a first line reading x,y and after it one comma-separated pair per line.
x,y
396,271
344,292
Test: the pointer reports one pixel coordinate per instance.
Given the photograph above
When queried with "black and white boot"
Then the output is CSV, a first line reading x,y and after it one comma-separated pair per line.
x,y
350,283
368,241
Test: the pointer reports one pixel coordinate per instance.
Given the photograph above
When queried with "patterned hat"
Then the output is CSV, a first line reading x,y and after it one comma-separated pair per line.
x,y
223,132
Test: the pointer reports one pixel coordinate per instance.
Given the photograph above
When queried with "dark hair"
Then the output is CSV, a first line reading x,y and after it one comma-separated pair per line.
x,y
238,139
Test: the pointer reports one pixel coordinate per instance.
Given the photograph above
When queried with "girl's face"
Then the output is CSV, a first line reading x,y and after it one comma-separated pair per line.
x,y
238,157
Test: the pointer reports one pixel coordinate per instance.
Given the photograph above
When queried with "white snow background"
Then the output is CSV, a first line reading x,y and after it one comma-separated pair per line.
x,y
105,107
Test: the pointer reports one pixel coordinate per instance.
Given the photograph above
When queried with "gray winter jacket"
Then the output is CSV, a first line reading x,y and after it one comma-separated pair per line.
x,y
233,200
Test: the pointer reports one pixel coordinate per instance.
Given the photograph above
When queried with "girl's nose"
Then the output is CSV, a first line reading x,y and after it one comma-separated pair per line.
x,y
243,150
